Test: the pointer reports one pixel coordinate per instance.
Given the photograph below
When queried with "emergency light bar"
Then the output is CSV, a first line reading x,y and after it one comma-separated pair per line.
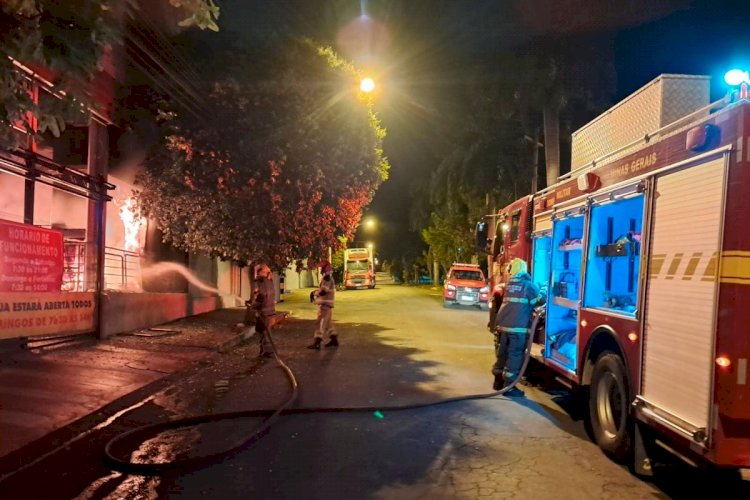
x,y
738,78
735,77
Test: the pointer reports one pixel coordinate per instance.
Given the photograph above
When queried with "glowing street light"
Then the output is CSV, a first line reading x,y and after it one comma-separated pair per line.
x,y
367,85
370,223
370,245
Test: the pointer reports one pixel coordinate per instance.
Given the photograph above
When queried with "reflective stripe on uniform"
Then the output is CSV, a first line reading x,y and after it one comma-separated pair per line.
x,y
512,329
522,300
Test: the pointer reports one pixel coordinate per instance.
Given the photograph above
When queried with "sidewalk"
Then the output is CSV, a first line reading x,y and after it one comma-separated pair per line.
x,y
46,390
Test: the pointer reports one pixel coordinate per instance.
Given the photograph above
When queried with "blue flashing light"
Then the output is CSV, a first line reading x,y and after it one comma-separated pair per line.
x,y
736,77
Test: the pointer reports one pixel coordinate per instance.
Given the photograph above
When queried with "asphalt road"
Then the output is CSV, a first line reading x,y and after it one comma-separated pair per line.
x,y
399,346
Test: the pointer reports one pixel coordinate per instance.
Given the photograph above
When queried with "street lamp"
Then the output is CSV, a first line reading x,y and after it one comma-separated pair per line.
x,y
367,85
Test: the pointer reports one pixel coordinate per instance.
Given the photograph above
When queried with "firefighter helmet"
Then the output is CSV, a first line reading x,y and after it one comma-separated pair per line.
x,y
262,270
517,266
325,267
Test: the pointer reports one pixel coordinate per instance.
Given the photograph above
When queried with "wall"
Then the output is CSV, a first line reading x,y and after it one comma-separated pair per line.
x,y
124,312
297,281
205,270
11,202
245,278
156,251
224,276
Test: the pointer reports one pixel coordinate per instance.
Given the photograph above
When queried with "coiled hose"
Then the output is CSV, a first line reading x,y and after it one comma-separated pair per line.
x,y
147,431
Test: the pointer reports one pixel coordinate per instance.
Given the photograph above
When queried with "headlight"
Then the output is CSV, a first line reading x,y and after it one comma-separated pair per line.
x,y
450,287
484,289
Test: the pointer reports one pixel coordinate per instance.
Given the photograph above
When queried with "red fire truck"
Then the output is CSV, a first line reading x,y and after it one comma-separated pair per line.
x,y
644,252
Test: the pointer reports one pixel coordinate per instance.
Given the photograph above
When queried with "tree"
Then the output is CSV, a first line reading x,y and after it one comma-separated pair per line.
x,y
67,37
282,170
491,155
484,161
554,79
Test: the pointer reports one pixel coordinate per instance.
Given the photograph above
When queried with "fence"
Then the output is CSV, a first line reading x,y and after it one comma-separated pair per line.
x,y
122,269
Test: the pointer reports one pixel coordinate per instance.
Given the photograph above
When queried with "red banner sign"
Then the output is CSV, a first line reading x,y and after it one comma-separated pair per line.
x,y
31,258
23,315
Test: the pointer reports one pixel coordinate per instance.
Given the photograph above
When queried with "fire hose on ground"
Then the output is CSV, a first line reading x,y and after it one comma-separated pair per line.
x,y
141,434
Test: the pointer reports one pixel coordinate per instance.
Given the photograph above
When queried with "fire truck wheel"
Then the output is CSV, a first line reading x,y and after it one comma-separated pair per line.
x,y
609,400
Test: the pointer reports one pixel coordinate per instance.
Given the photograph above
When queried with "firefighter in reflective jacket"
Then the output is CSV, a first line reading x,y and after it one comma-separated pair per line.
x,y
264,305
512,324
324,297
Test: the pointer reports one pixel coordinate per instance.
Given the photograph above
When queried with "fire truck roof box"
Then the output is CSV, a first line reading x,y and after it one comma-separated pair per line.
x,y
660,102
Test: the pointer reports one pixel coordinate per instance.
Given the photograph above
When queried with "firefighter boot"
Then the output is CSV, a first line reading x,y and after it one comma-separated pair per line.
x,y
499,382
333,342
316,344
515,392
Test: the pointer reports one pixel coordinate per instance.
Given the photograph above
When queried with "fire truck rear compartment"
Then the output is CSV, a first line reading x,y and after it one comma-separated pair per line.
x,y
681,299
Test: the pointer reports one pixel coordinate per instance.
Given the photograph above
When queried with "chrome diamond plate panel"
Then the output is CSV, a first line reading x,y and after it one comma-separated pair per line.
x,y
656,104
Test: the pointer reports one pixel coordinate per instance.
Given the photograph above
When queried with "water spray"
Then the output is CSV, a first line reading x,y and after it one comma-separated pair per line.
x,y
169,267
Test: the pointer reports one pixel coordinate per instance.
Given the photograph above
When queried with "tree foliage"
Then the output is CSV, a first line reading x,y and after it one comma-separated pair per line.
x,y
485,161
67,37
489,161
283,169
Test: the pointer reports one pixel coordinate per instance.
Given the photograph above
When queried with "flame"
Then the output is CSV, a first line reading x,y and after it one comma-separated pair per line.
x,y
132,221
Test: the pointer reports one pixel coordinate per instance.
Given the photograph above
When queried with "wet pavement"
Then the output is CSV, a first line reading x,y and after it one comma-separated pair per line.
x,y
399,347
45,390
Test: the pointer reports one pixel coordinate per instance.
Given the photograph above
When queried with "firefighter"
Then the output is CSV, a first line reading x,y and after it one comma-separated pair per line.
x,y
512,324
499,279
264,305
324,296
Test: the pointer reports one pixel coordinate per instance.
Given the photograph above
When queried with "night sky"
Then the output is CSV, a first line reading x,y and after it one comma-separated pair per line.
x,y
415,47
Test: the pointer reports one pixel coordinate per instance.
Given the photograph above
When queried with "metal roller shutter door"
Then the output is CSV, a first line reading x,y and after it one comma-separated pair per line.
x,y
681,301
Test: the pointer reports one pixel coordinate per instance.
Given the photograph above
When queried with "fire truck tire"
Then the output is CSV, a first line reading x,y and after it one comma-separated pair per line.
x,y
609,402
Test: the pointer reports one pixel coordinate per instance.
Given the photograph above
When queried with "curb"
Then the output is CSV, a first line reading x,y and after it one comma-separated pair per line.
x,y
245,334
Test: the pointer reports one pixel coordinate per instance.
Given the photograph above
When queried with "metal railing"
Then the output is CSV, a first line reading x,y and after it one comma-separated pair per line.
x,y
122,269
